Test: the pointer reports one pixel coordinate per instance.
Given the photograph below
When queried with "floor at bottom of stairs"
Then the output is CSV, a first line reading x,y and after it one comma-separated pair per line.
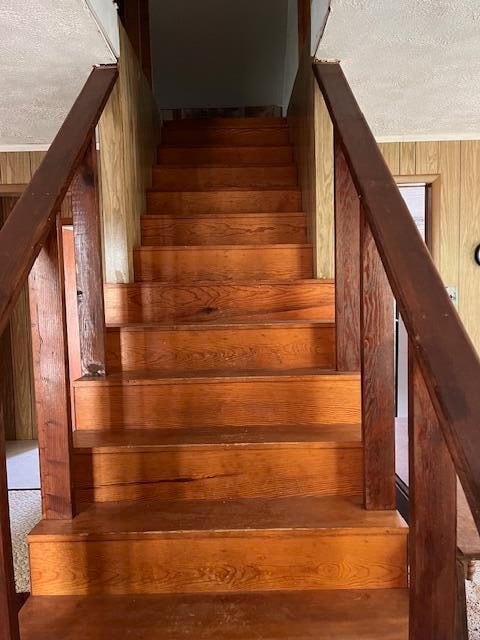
x,y
304,615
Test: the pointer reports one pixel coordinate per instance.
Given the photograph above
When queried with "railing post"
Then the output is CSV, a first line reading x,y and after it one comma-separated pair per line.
x,y
378,407
52,387
433,523
88,261
347,265
8,597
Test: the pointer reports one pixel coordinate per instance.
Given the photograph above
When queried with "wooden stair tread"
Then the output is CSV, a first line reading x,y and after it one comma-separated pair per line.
x,y
272,215
148,378
289,189
218,324
343,614
330,515
223,247
229,122
225,156
324,436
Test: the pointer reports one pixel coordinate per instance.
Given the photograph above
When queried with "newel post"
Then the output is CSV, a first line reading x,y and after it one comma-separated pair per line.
x,y
52,384
347,265
378,392
88,264
433,520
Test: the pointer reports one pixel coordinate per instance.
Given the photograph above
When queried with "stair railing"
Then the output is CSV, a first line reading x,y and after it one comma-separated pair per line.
x,y
379,251
31,247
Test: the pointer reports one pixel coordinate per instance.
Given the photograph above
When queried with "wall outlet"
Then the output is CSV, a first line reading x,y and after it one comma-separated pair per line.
x,y
452,294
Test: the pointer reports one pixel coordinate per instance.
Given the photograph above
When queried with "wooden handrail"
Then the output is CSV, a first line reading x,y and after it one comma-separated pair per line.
x,y
27,227
443,350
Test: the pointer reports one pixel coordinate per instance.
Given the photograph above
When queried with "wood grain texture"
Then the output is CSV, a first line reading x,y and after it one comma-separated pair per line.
x,y
223,263
259,201
128,133
347,266
52,385
378,410
253,228
17,372
347,614
433,522
291,560
312,136
221,470
192,178
228,399
205,347
211,546
228,136
426,160
88,263
407,158
212,302
225,156
391,155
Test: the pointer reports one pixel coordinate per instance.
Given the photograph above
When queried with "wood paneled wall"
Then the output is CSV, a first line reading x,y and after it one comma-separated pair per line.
x,y
128,133
312,136
453,169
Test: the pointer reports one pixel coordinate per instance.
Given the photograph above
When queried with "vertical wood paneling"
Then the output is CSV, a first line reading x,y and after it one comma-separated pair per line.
x,y
391,154
128,138
15,168
469,272
407,158
426,157
311,134
324,190
447,212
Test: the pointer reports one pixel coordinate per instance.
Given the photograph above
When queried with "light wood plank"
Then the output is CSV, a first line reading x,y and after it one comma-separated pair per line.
x,y
426,157
407,159
391,154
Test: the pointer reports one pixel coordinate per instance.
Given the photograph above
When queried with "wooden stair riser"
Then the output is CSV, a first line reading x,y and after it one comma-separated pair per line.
x,y
262,400
161,302
227,136
231,229
223,263
217,472
206,562
225,201
225,156
207,348
193,178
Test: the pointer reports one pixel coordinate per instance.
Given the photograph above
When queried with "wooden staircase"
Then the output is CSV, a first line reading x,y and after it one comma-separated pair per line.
x,y
218,467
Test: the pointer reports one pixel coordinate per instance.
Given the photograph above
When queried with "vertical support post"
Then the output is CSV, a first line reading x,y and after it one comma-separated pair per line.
x,y
347,266
52,385
378,406
8,598
433,520
88,259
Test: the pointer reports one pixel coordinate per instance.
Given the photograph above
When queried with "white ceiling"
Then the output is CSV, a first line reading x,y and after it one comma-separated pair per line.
x,y
47,50
414,65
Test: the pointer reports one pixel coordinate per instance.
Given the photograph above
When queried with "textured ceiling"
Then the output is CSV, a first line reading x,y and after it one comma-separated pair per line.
x,y
47,50
414,65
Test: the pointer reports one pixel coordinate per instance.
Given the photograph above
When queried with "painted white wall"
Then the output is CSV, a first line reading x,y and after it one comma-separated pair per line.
x,y
106,16
320,10
218,53
291,52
